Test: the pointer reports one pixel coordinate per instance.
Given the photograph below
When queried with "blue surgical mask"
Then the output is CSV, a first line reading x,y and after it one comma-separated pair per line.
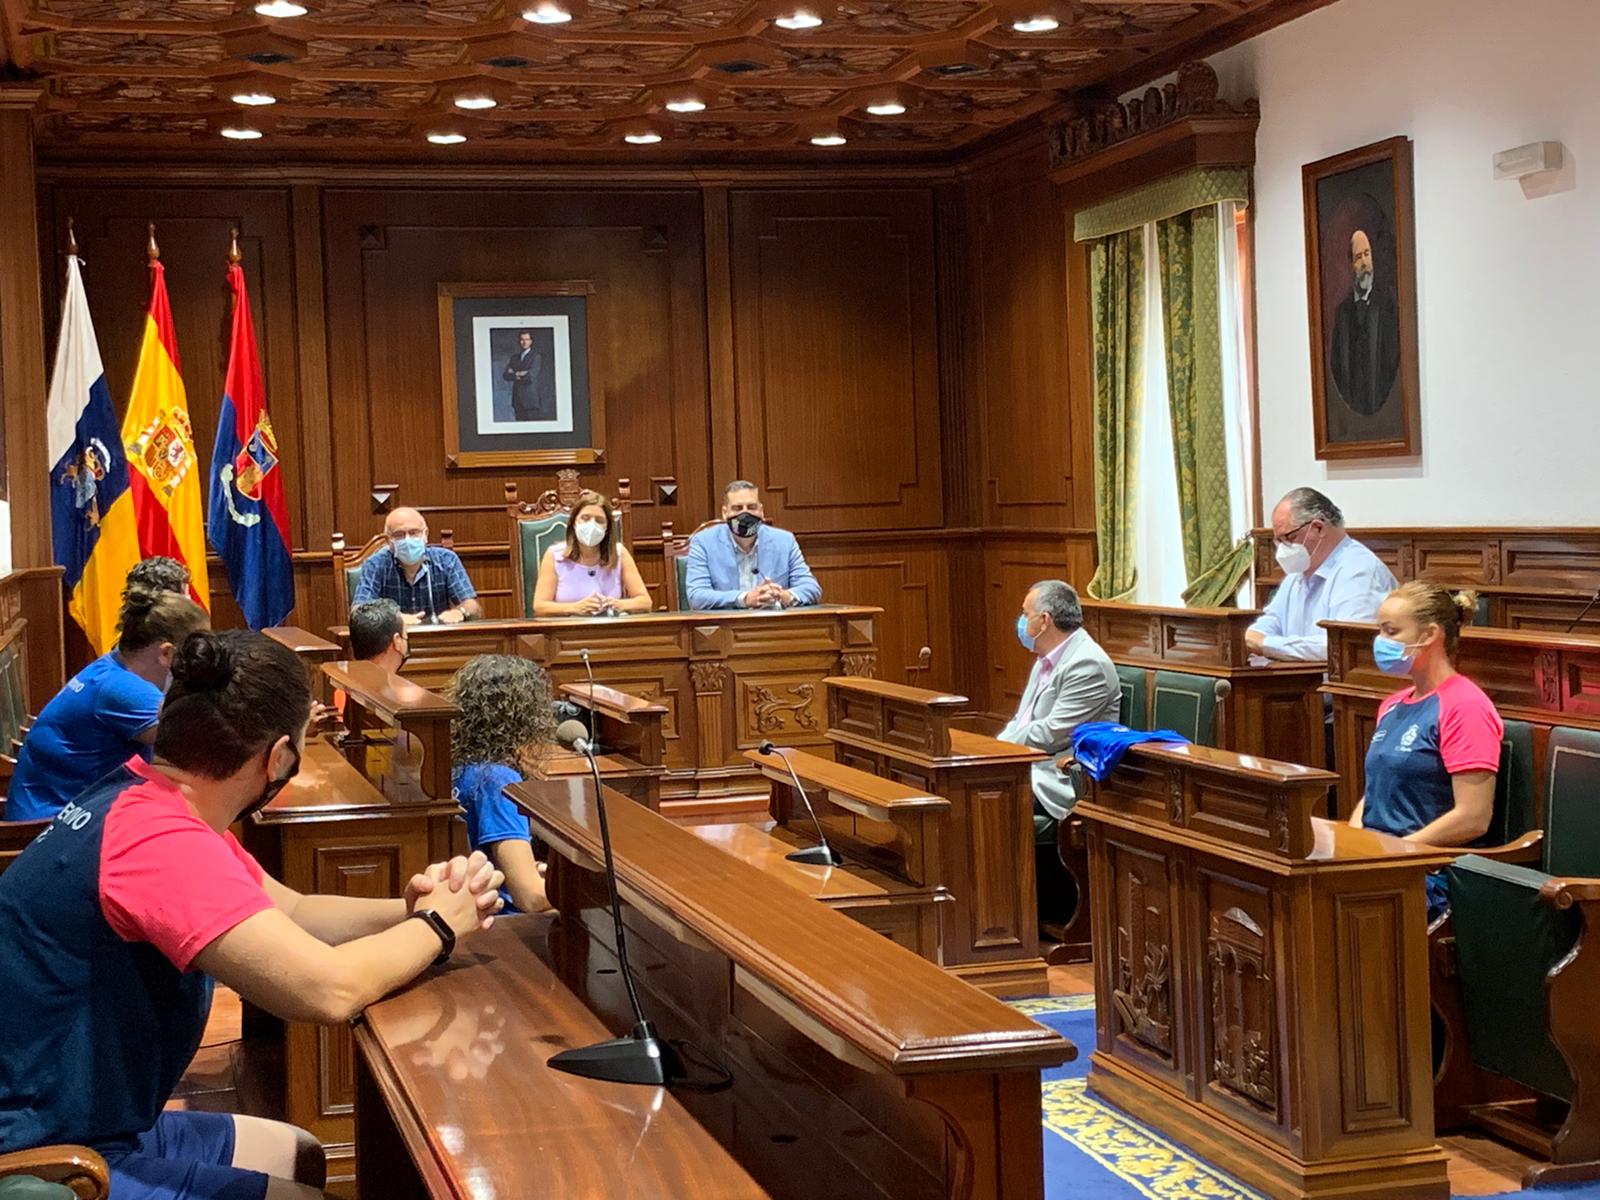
x,y
1023,635
1391,655
409,550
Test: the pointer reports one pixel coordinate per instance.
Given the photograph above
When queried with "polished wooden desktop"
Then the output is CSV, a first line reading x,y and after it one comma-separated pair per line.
x,y
628,731
1261,978
729,679
859,1069
1545,679
908,734
1270,708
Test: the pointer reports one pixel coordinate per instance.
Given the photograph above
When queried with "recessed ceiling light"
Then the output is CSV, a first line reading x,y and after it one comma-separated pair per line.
x,y
254,99
475,102
1036,25
447,139
687,104
828,139
241,133
799,20
280,8
641,139
889,108
547,13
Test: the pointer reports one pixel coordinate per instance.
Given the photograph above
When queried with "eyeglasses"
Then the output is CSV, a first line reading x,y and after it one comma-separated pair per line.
x,y
396,535
1288,538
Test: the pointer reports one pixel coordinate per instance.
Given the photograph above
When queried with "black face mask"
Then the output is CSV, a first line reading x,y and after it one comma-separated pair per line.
x,y
744,524
270,792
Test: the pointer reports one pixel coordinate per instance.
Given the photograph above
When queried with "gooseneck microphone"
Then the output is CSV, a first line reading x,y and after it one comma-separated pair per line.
x,y
822,854
641,1057
588,712
1593,600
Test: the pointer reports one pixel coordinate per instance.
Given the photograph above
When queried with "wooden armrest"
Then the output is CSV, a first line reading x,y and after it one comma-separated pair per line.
x,y
76,1167
1564,892
1523,850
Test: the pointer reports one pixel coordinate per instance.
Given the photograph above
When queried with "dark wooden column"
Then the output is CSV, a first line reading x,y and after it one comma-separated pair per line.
x,y
22,369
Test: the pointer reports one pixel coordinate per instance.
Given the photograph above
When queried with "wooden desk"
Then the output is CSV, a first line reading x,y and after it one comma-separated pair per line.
x,y
833,1034
412,721
729,679
890,836
333,831
1261,978
1545,679
991,936
310,649
455,1098
1272,710
629,728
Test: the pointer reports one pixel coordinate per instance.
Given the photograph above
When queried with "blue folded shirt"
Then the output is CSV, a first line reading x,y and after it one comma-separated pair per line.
x,y
1100,745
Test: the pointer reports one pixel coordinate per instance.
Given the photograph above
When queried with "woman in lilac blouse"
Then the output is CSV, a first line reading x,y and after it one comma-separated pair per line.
x,y
592,574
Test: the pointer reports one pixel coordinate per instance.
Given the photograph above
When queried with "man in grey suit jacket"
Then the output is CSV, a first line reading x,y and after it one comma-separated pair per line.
x,y
1072,682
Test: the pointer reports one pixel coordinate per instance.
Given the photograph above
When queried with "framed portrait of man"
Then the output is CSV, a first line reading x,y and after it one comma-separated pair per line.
x,y
515,375
1362,295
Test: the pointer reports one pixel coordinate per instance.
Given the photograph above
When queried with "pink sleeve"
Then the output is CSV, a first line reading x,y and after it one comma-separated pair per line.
x,y
1470,731
168,879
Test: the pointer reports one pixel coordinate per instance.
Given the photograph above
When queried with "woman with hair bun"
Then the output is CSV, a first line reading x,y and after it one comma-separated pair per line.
x,y
108,710
118,917
1432,763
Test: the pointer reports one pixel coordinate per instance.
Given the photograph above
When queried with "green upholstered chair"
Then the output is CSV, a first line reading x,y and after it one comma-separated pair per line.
x,y
1571,815
1187,704
347,563
1135,709
54,1173
675,550
11,714
1480,615
1515,798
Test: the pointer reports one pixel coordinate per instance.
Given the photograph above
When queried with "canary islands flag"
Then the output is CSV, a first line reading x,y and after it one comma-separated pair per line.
x,y
163,473
248,520
91,510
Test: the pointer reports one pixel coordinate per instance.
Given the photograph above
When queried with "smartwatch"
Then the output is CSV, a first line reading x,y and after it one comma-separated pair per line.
x,y
447,936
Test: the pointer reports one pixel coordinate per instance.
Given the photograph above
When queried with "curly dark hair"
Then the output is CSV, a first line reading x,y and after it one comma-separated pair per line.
x,y
508,712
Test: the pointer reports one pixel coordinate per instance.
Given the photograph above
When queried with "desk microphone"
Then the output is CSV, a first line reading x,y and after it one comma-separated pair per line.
x,y
1593,600
822,854
588,715
641,1057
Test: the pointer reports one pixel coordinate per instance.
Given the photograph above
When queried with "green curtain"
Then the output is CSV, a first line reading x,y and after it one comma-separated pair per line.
x,y
1192,324
1116,295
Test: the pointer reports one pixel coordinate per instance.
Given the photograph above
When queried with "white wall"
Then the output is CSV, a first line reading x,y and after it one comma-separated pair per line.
x,y
1508,287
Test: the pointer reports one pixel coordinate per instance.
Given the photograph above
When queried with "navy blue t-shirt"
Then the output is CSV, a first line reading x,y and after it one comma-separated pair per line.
x,y
1418,745
479,789
90,727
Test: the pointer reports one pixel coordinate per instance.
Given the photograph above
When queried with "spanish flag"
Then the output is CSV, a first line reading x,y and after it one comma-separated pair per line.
x,y
163,472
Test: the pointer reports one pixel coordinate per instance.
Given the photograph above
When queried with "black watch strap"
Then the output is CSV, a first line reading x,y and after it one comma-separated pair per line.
x,y
447,936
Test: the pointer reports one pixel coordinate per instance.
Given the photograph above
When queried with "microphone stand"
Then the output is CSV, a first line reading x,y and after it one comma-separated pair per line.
x,y
822,854
1593,600
641,1056
588,715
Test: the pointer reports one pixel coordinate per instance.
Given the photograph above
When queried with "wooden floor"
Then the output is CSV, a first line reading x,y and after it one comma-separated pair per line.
x,y
224,1079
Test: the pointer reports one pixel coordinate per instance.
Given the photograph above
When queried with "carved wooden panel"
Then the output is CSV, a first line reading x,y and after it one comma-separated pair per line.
x,y
836,356
995,920
1144,988
1369,944
1241,979
775,706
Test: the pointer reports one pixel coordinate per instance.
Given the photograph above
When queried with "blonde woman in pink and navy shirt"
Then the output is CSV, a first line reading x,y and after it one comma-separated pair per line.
x,y
1432,763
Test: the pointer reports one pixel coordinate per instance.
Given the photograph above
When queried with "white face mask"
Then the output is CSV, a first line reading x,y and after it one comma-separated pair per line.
x,y
1294,558
591,533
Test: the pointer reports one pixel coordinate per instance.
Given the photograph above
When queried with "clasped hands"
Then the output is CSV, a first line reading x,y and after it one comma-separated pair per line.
x,y
596,605
766,593
464,891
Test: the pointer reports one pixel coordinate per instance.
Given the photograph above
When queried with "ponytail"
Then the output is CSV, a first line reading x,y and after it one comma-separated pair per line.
x,y
150,616
234,693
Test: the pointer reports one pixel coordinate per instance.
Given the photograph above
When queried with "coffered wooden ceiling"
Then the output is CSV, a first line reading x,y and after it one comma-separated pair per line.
x,y
373,78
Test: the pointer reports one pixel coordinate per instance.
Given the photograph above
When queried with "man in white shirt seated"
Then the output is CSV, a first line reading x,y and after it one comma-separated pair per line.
x,y
1328,576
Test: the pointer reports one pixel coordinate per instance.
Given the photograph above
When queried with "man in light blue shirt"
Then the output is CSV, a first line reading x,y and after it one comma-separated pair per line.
x,y
1328,576
746,563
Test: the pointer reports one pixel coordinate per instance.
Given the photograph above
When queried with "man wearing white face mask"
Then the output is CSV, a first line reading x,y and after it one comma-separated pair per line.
x,y
1328,576
427,582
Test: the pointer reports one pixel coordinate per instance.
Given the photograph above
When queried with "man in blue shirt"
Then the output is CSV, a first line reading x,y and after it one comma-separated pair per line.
x,y
107,712
427,582
1328,576
746,563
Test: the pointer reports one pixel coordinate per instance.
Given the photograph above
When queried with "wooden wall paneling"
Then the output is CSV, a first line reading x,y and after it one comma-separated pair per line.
x,y
25,473
316,419
387,252
960,432
1011,568
910,581
1019,289
836,356
719,356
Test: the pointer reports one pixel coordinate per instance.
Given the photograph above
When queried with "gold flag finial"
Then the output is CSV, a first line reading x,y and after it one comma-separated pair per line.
x,y
152,251
72,238
233,246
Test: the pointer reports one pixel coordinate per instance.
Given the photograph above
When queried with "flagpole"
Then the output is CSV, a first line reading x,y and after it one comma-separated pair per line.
x,y
234,257
72,238
152,251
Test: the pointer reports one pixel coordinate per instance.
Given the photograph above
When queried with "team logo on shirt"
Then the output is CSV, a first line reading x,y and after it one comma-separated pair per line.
x,y
1408,738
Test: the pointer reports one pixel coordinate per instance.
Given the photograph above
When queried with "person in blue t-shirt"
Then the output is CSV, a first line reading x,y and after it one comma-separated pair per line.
x,y
507,723
107,712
